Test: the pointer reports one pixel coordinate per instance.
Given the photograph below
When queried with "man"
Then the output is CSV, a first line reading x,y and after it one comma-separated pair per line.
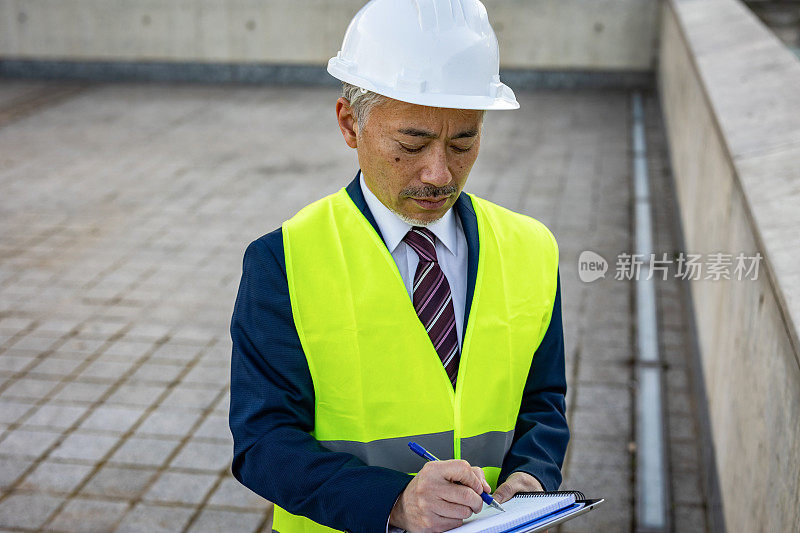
x,y
400,308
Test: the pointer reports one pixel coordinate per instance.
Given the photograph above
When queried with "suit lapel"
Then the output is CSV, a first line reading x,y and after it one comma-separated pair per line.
x,y
469,222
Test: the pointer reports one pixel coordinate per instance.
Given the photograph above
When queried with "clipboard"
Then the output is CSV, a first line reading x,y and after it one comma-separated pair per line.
x,y
542,526
581,505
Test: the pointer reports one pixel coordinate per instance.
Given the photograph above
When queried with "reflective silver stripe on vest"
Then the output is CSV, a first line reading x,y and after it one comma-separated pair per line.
x,y
487,449
395,453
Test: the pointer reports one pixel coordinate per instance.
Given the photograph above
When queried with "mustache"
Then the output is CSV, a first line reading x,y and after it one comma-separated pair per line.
x,y
429,191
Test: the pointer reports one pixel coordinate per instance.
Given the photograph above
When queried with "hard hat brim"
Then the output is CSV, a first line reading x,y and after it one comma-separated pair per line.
x,y
505,101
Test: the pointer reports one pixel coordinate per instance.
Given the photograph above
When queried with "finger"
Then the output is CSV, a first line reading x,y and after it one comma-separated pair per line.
x,y
460,471
447,509
442,523
504,492
484,486
482,476
461,495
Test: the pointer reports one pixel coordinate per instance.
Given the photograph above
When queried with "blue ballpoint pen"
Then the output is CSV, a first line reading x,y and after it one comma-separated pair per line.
x,y
425,454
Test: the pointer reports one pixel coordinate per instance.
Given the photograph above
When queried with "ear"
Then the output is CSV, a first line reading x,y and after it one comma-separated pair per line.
x,y
347,122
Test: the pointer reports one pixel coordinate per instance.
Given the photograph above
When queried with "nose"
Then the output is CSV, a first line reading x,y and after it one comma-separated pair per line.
x,y
435,171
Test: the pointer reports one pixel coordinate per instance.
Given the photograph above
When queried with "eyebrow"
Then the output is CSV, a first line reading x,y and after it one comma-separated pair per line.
x,y
413,132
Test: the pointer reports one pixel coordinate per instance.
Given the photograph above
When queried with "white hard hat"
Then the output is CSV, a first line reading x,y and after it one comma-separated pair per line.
x,y
440,53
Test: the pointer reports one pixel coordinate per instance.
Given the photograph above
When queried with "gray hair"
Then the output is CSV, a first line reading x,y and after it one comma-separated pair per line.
x,y
361,101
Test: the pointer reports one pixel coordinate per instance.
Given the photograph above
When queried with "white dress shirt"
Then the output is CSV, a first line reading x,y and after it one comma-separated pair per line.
x,y
451,253
451,250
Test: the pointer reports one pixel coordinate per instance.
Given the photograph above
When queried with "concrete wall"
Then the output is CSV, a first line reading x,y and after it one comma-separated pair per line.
x,y
731,102
539,34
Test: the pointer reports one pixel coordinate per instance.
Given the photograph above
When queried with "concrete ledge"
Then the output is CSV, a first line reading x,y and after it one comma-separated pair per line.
x,y
732,112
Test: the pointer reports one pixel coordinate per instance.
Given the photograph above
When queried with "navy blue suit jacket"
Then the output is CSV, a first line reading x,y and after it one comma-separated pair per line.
x,y
272,402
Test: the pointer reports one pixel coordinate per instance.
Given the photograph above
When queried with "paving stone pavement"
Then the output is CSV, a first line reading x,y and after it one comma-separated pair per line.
x,y
125,212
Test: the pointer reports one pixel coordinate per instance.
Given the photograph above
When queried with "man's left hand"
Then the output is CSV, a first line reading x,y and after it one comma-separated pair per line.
x,y
516,482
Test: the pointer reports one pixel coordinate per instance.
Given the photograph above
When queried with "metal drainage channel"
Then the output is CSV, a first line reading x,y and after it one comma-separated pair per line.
x,y
651,479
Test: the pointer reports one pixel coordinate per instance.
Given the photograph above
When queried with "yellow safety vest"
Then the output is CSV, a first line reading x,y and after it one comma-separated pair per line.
x,y
378,382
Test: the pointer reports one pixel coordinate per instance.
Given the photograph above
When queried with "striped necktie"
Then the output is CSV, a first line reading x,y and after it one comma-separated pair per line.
x,y
433,300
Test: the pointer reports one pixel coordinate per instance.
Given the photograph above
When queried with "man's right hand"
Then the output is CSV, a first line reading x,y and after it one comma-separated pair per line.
x,y
440,496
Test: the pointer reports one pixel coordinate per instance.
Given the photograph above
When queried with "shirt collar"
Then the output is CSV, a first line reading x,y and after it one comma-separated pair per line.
x,y
394,228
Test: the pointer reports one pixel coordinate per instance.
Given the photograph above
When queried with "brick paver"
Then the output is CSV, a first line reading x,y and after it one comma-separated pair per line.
x,y
126,210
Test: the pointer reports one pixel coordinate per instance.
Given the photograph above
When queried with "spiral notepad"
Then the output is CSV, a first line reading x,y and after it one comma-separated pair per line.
x,y
522,509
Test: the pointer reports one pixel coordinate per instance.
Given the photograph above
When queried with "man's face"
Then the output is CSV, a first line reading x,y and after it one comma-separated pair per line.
x,y
416,159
